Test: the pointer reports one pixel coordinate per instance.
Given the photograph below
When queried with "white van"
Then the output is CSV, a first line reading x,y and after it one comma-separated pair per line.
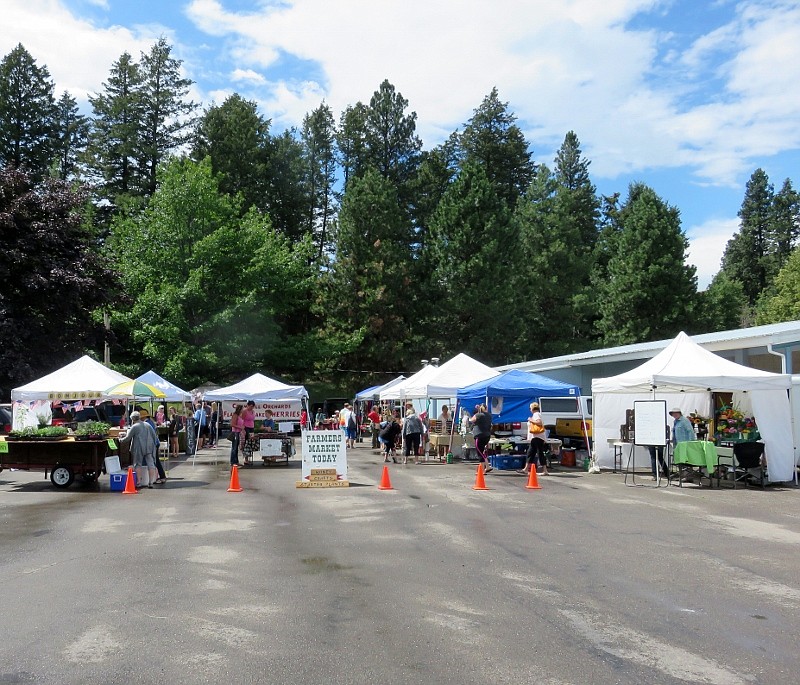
x,y
564,418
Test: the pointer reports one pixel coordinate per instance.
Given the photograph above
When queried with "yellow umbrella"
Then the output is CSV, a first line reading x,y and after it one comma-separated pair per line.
x,y
134,388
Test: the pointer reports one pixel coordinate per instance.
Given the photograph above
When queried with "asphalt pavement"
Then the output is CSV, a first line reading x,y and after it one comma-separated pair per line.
x,y
583,581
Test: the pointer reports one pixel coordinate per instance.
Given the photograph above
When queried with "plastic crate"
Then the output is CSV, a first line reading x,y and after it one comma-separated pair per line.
x,y
506,462
117,480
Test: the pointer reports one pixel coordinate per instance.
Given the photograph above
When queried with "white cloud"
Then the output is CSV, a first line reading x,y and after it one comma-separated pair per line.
x,y
77,53
707,244
561,65
247,76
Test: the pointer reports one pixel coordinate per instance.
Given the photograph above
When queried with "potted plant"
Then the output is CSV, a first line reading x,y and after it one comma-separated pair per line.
x,y
52,433
28,433
92,430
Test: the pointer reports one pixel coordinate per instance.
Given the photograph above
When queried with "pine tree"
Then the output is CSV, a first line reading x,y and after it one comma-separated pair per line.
x,y
783,302
746,258
785,225
71,136
492,140
318,136
236,138
473,239
166,116
286,198
115,139
27,111
648,291
351,138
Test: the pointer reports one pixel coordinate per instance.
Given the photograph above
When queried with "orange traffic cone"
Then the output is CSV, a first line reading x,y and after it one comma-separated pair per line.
x,y
385,482
533,480
234,486
480,483
130,485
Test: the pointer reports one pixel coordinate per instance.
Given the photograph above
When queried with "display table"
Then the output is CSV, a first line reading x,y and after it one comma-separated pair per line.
x,y
618,447
696,453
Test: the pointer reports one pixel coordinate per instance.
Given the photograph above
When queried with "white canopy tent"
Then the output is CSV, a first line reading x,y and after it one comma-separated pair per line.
x,y
83,379
375,391
441,381
685,374
259,388
172,392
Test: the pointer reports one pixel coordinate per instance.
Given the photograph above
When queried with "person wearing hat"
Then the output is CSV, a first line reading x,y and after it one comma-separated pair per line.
x,y
536,434
682,430
144,417
143,445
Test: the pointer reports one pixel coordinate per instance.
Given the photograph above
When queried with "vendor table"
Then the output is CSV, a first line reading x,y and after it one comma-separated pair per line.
x,y
701,453
619,447
273,447
63,459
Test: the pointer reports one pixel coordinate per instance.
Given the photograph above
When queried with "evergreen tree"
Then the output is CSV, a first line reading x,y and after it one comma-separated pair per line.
x,y
54,275
166,116
318,135
351,138
370,296
785,225
722,306
27,111
115,139
71,137
475,266
391,140
492,140
236,138
577,213
285,192
747,254
648,291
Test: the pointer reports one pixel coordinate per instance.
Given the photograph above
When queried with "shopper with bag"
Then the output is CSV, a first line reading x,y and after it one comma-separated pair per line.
x,y
536,435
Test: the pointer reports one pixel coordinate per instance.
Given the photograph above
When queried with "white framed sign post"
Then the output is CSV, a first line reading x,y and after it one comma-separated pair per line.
x,y
650,430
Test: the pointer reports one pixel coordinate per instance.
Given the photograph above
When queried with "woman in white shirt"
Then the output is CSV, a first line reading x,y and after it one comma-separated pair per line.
x,y
536,435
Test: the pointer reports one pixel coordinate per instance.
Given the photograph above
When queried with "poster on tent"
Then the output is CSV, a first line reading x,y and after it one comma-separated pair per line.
x,y
324,459
30,414
288,410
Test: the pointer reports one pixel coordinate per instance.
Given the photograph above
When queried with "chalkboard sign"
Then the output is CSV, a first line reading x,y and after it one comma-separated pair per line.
x,y
650,418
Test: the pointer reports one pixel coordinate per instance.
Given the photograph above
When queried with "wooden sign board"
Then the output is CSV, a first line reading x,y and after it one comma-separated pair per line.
x,y
324,460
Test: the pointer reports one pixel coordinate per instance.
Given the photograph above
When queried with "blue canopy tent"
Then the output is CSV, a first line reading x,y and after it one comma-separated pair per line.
x,y
509,395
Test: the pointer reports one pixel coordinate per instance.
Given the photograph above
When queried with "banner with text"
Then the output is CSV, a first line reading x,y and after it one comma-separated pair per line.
x,y
324,450
281,411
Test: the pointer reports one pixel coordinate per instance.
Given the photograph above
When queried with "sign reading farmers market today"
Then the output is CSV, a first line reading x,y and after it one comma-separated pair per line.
x,y
324,460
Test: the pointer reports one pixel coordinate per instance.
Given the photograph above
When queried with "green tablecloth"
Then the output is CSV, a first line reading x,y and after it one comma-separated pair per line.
x,y
696,453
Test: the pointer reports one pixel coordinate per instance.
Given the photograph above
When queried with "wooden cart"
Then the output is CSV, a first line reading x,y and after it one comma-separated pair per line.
x,y
62,459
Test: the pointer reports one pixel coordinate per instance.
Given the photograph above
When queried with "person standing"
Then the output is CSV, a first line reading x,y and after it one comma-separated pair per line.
x,y
413,429
173,430
144,416
374,417
143,444
388,437
682,430
536,433
237,426
481,422
347,421
201,423
248,426
213,426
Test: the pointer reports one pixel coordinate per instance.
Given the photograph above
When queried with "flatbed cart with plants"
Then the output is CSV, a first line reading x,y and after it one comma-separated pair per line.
x,y
273,447
62,455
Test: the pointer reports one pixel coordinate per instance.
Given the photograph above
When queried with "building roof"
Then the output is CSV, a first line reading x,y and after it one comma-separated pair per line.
x,y
776,334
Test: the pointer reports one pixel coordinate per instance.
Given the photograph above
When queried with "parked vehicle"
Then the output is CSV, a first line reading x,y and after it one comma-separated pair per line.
x,y
568,419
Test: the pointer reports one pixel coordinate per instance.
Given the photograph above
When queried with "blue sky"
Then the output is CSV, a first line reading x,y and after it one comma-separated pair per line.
x,y
688,96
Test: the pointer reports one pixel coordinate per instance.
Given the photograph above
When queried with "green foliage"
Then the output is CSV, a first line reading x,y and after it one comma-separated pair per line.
x,y
27,111
783,303
472,251
319,177
648,292
71,131
54,276
236,139
722,306
211,288
98,428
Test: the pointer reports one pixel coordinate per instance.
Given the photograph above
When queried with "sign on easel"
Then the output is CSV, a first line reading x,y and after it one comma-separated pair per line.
x,y
324,460
650,419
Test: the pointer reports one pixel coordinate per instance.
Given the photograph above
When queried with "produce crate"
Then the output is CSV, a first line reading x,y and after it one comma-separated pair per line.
x,y
503,462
